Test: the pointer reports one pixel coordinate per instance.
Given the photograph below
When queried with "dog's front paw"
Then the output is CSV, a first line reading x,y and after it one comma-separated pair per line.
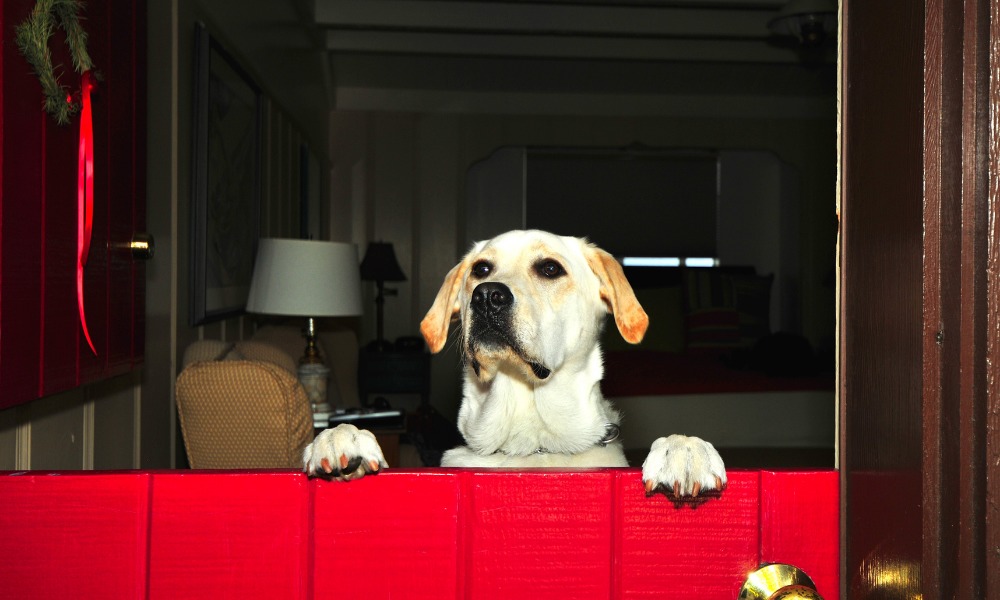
x,y
683,465
343,453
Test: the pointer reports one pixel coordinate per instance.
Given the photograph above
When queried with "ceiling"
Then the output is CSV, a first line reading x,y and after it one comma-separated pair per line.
x,y
641,56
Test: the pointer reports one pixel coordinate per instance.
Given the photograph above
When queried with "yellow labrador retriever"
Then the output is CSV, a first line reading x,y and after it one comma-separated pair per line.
x,y
531,306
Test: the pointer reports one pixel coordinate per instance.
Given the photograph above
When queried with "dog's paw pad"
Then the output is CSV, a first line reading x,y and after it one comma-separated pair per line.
x,y
683,467
343,453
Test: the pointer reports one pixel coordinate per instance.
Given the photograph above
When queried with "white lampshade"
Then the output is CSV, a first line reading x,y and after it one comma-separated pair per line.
x,y
305,278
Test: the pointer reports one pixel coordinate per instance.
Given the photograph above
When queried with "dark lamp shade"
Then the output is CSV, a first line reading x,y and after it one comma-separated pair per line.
x,y
811,21
380,263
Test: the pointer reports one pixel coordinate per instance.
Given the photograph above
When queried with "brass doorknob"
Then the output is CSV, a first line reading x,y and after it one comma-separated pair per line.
x,y
142,246
778,582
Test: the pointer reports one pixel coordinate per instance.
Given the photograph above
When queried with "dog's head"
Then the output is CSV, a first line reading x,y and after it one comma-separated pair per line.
x,y
528,300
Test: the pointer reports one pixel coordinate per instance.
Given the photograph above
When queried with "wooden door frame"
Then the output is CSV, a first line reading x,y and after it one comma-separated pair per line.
x,y
956,344
991,503
955,471
992,377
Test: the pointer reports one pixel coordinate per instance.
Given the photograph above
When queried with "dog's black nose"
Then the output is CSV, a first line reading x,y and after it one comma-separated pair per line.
x,y
492,297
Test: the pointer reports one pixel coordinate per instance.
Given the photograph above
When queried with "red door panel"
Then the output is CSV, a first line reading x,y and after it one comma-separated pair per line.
x,y
22,185
126,158
42,347
59,327
430,533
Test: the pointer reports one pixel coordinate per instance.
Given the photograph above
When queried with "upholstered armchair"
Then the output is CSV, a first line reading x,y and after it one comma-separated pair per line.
x,y
242,406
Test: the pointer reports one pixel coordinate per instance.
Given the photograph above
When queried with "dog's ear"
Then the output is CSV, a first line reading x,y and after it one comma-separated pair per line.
x,y
617,294
445,307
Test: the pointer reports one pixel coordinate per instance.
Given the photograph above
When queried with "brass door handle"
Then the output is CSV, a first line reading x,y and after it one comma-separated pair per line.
x,y
778,582
142,246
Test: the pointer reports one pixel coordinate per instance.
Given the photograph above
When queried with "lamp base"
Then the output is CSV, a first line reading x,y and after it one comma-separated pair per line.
x,y
313,378
311,356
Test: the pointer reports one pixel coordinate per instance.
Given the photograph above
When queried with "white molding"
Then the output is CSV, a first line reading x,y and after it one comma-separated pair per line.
x,y
541,18
555,46
88,433
22,439
621,105
136,419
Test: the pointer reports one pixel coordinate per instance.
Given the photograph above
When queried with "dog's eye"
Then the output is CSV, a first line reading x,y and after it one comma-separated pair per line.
x,y
481,269
549,268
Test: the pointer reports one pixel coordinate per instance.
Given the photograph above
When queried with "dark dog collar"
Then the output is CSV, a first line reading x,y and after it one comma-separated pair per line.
x,y
611,433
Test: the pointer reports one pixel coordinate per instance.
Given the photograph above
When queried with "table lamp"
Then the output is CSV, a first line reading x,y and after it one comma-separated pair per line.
x,y
380,265
305,278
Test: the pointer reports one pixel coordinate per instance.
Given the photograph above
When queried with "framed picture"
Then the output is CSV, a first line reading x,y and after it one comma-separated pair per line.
x,y
226,184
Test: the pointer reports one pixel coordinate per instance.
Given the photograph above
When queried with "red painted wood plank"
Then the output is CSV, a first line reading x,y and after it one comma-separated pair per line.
x,y
62,338
73,535
22,192
532,534
800,524
419,534
121,169
702,550
229,534
394,535
43,350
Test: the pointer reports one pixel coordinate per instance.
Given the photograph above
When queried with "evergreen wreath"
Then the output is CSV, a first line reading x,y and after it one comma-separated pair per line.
x,y
32,39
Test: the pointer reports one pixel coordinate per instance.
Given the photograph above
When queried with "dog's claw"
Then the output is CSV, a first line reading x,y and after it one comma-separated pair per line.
x,y
695,490
677,489
373,466
650,486
352,465
343,461
325,463
718,483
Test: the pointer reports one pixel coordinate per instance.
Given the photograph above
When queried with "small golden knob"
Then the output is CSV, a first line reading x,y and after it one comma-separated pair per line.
x,y
142,246
778,582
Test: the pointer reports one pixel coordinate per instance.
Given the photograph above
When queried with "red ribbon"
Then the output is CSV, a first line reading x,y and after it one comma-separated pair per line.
x,y
85,197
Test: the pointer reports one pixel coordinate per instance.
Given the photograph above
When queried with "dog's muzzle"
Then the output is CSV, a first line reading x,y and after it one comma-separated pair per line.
x,y
492,322
491,314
